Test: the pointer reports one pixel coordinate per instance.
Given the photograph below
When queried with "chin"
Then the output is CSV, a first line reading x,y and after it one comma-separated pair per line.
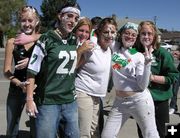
x,y
28,32
105,47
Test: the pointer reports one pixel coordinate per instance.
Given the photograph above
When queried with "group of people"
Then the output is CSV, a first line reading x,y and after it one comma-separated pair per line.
x,y
62,76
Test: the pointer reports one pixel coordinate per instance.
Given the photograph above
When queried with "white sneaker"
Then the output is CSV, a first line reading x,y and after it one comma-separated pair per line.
x,y
171,111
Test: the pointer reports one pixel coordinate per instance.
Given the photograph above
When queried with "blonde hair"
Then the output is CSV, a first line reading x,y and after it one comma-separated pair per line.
x,y
83,21
33,10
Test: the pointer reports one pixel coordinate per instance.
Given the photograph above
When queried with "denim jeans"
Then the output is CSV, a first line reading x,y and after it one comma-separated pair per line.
x,y
49,117
173,101
15,104
140,106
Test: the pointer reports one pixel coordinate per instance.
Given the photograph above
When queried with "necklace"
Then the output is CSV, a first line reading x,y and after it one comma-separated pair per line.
x,y
58,33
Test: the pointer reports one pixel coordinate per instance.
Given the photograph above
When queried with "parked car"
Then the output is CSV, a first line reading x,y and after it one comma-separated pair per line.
x,y
167,46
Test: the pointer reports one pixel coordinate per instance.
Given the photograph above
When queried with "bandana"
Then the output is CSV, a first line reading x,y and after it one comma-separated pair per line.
x,y
129,25
70,9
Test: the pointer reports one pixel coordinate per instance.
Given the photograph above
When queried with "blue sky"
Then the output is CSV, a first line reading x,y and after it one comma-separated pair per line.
x,y
166,11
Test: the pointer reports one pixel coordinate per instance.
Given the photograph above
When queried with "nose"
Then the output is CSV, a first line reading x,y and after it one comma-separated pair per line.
x,y
27,23
84,33
109,34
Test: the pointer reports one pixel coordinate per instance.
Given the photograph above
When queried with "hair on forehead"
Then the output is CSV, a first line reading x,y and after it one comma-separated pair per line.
x,y
83,21
30,9
107,20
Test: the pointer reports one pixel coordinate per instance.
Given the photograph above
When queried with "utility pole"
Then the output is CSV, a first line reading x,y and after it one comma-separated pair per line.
x,y
155,20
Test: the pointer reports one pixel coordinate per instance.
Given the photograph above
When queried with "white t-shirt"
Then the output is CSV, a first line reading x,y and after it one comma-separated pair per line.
x,y
129,71
93,77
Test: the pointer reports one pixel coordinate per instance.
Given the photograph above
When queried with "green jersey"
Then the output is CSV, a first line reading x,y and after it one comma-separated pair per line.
x,y
53,61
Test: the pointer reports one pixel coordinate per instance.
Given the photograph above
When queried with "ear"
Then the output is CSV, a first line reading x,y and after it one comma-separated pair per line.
x,y
60,15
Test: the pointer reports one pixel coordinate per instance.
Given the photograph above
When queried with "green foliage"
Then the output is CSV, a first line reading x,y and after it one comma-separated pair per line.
x,y
9,15
49,10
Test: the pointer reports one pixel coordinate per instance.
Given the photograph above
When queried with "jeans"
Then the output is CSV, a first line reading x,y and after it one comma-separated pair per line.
x,y
140,106
173,101
101,116
15,104
49,117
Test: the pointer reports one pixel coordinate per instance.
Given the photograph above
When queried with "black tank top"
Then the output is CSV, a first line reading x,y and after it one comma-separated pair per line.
x,y
20,53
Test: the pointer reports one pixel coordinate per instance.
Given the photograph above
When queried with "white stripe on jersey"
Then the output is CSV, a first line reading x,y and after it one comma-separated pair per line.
x,y
37,56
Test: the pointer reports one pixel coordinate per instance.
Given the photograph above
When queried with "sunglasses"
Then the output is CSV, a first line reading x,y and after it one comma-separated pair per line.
x,y
30,8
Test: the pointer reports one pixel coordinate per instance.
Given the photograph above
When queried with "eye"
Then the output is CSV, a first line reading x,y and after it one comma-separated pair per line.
x,y
30,20
128,34
23,20
76,19
147,33
80,30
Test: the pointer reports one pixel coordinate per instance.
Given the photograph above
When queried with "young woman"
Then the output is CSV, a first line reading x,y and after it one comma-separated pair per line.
x,y
82,30
53,63
164,73
29,22
131,72
92,78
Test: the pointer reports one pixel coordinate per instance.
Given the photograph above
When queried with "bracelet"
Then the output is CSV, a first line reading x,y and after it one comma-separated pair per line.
x,y
11,78
29,99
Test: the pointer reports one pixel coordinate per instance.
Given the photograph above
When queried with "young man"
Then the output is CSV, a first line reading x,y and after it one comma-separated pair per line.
x,y
53,63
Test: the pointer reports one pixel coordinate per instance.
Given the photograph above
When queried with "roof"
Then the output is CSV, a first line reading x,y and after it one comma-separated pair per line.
x,y
170,35
121,22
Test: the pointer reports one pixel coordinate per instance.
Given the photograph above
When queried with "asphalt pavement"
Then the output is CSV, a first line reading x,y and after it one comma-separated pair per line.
x,y
129,130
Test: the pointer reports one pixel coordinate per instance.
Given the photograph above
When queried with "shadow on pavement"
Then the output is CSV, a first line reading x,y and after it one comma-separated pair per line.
x,y
22,134
177,113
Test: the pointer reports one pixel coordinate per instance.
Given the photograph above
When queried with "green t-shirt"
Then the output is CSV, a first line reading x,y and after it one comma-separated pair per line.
x,y
53,61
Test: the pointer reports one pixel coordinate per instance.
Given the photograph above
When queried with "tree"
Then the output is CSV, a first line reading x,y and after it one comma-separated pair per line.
x,y
49,10
9,15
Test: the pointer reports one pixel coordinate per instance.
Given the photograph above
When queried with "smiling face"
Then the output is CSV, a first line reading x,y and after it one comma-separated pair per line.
x,y
129,37
68,21
147,35
107,35
28,20
83,33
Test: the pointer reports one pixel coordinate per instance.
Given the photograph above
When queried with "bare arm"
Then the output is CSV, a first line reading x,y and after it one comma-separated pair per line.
x,y
86,46
30,105
8,63
157,79
8,59
23,39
